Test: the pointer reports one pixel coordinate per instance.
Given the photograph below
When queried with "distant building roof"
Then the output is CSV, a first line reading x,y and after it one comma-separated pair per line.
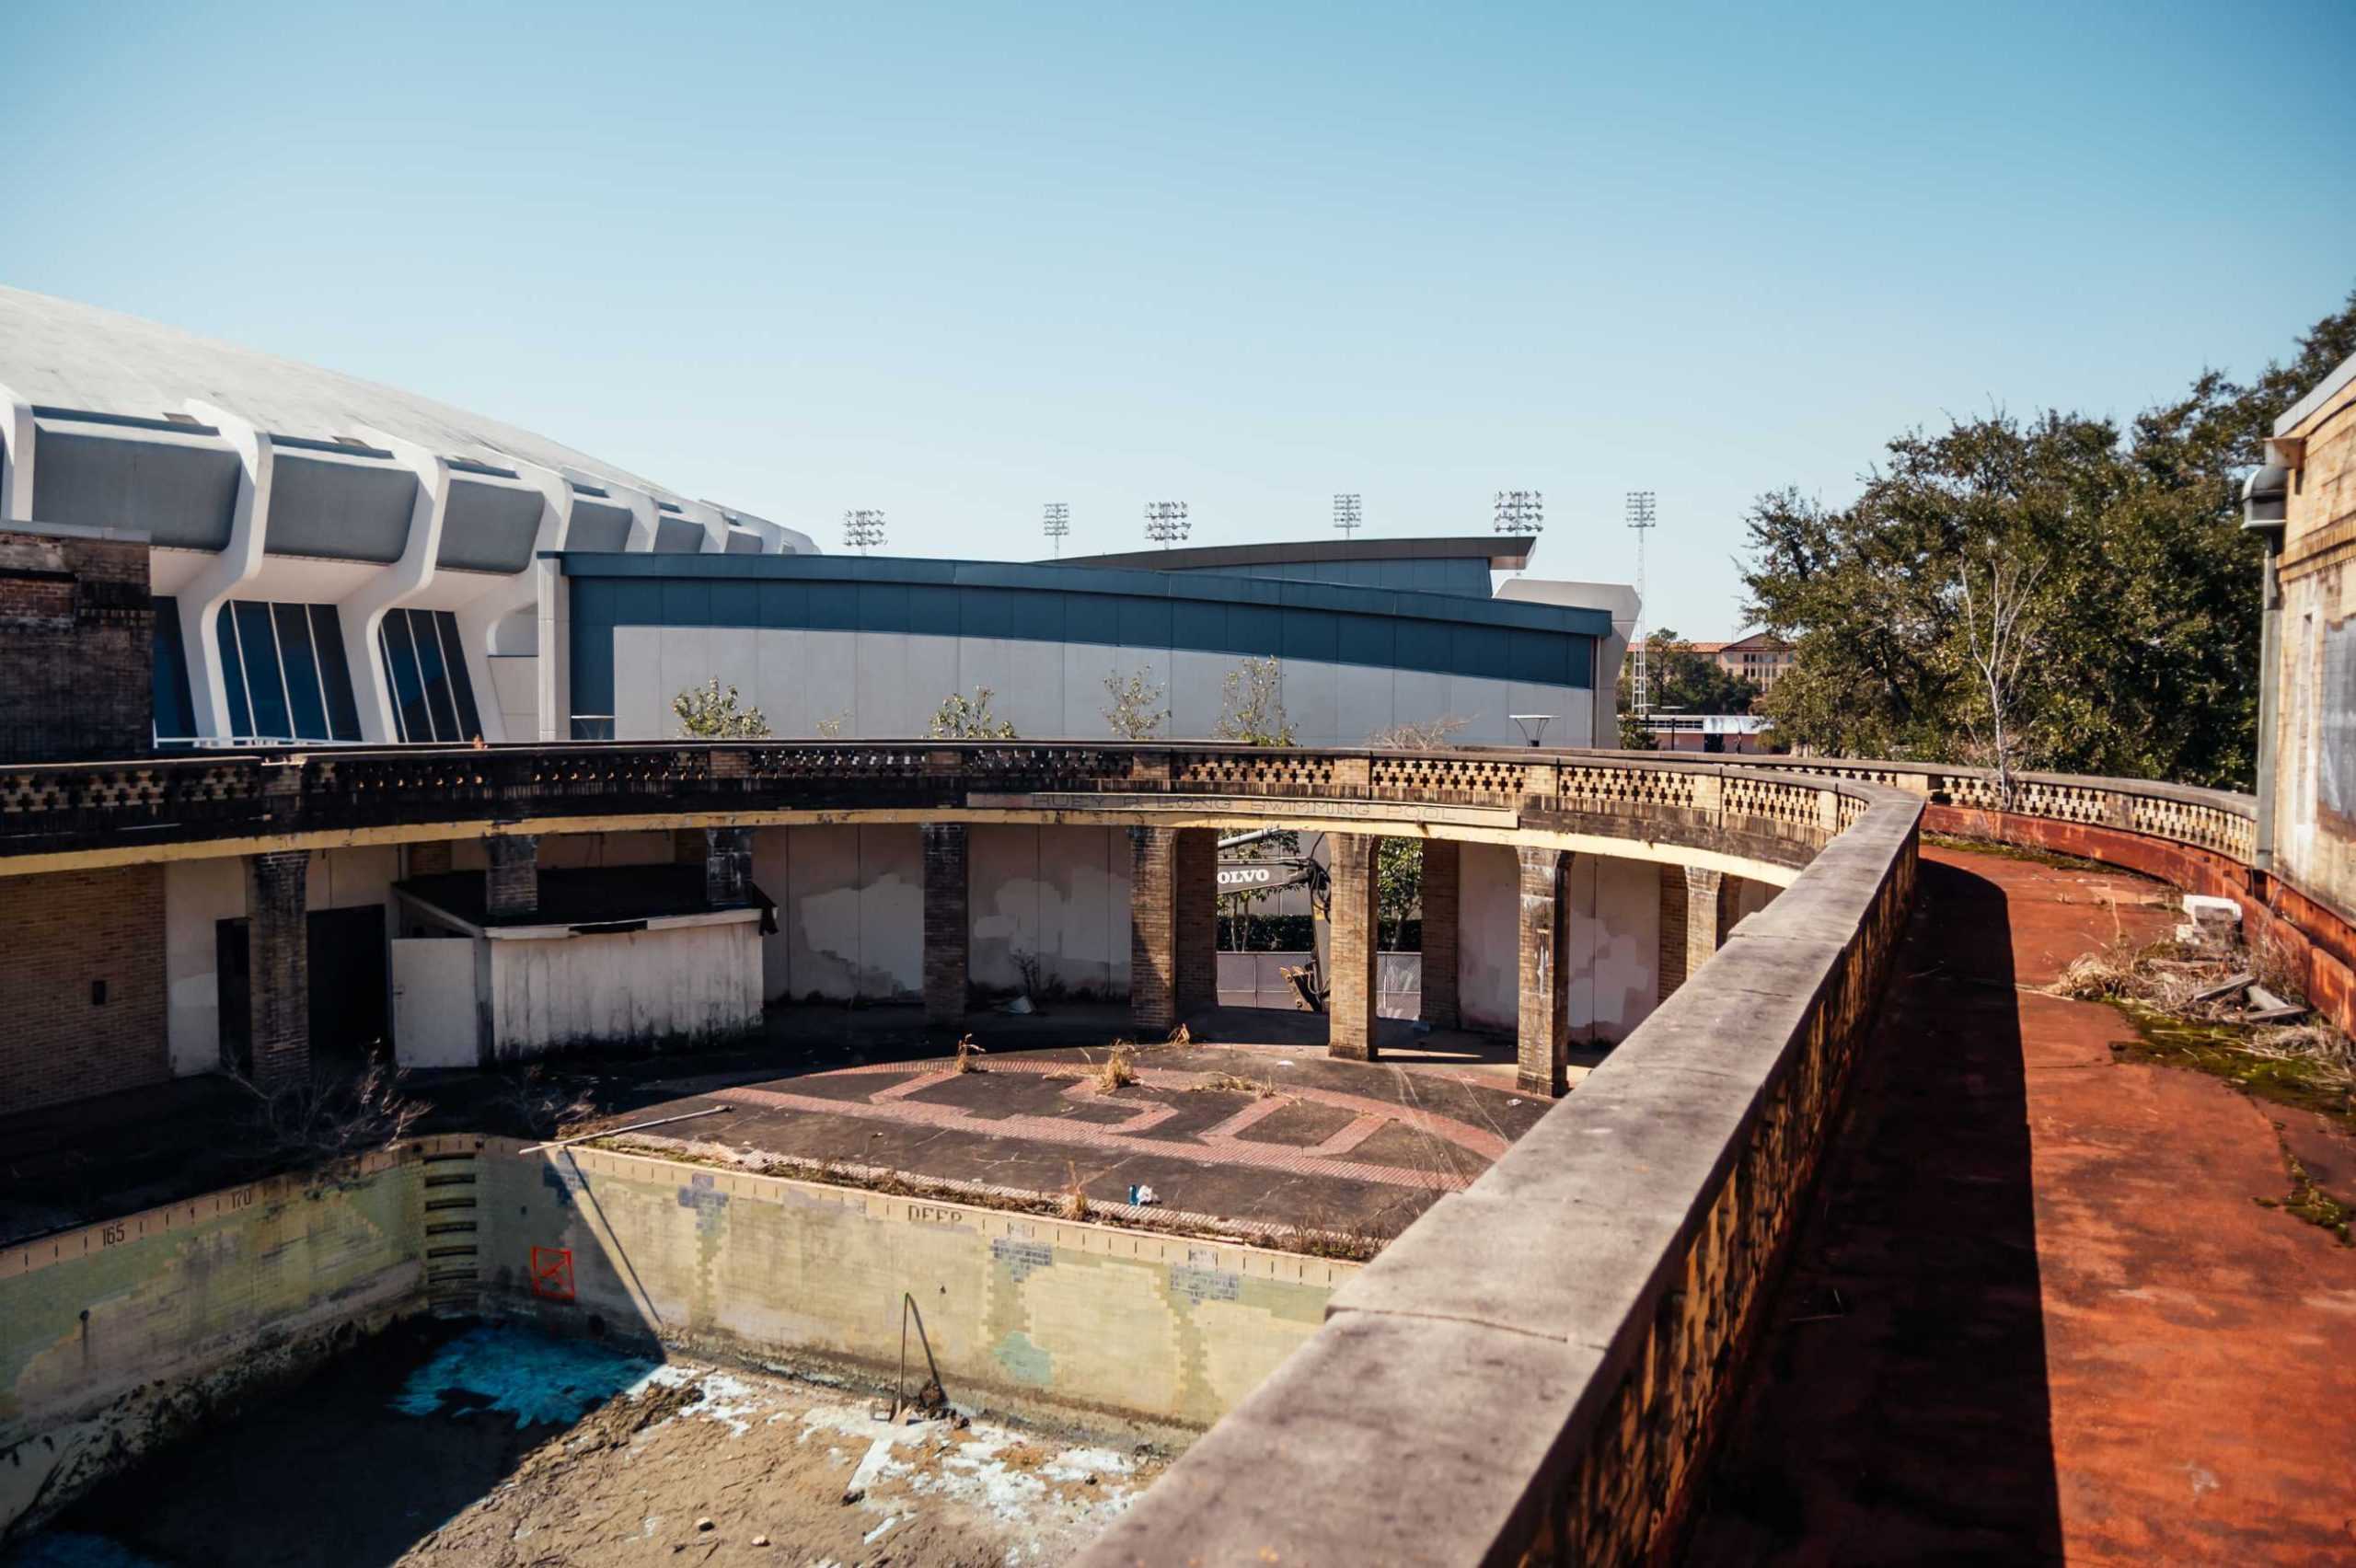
x,y
1503,552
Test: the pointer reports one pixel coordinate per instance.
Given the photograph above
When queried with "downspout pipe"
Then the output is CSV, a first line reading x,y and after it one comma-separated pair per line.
x,y
2265,497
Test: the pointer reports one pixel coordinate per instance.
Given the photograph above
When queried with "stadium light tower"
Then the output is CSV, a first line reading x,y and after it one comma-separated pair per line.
x,y
1521,511
1348,515
1640,518
864,528
1165,521
1058,525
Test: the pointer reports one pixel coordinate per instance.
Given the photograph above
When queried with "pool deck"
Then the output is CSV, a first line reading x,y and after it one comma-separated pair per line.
x,y
2038,1313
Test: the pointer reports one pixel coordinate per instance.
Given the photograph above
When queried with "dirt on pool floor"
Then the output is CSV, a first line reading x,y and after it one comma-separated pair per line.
x,y
499,1446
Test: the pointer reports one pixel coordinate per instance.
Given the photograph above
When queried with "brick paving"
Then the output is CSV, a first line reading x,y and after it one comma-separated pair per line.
x,y
1186,1127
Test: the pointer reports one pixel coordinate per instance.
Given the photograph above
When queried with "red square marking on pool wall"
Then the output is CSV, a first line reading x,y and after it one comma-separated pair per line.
x,y
553,1273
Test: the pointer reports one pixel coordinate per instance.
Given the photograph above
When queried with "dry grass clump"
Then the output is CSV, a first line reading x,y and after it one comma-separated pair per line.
x,y
1074,1197
967,1052
546,1105
1258,1088
325,1120
2109,974
2326,1054
1118,1069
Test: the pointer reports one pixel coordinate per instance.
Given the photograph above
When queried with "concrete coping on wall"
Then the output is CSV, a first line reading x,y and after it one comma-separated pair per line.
x,y
1465,1377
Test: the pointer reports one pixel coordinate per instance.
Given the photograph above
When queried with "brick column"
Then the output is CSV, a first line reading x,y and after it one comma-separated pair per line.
x,y
948,926
1545,1032
1195,897
727,865
1350,989
511,885
1442,889
1672,932
279,967
1153,932
1701,916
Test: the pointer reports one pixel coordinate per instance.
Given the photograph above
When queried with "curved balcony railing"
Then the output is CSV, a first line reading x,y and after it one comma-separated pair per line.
x,y
1534,1371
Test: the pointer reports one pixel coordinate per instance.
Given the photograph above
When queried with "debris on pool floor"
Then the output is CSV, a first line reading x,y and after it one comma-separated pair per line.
x,y
571,1452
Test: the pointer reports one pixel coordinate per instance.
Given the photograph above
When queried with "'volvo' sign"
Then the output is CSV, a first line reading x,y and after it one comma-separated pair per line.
x,y
1260,876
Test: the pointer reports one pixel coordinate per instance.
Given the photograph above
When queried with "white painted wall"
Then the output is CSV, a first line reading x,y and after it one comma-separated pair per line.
x,y
887,685
1612,939
1060,893
1488,945
850,911
200,894
695,980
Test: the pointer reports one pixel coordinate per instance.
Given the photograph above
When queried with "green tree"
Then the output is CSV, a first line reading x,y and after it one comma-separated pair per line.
x,y
960,717
1688,682
709,713
2137,616
1134,707
1398,887
1252,706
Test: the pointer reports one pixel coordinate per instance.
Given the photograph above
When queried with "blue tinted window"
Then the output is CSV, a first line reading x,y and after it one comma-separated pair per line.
x,y
233,673
462,686
401,668
335,672
302,670
429,667
175,709
264,683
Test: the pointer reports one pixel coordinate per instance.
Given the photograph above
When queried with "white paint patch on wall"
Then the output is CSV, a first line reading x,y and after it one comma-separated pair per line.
x,y
1614,942
1612,924
199,894
624,985
887,685
1488,945
850,911
1058,894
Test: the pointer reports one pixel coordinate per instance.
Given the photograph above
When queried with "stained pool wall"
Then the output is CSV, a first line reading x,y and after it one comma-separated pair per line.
x,y
1024,1312
120,1336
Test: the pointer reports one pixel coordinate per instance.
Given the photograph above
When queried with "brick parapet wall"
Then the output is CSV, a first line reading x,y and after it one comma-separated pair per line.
x,y
78,648
1592,1301
64,936
278,907
948,925
1442,892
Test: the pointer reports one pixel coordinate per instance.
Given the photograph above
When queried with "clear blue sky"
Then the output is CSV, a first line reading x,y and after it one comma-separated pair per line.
x,y
958,261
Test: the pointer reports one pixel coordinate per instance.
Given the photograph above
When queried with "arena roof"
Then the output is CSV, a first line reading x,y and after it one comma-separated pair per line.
x,y
56,353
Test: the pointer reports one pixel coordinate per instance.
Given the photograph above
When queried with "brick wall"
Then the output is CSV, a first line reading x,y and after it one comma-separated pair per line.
x,y
1153,932
1349,1003
278,909
78,648
511,884
1443,887
1196,894
60,934
1672,931
1703,912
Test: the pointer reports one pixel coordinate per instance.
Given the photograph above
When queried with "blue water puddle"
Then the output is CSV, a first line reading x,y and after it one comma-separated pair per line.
x,y
524,1374
71,1548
